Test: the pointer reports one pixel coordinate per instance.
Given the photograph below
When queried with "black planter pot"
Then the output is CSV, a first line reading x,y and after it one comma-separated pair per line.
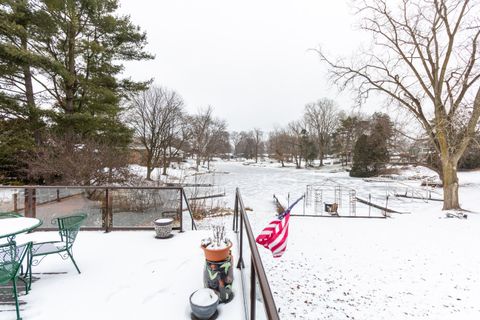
x,y
218,275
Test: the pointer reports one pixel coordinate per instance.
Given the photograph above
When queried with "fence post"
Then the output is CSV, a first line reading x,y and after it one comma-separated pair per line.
x,y
110,211
106,212
15,204
240,263
386,206
370,201
235,214
30,203
181,211
26,202
252,290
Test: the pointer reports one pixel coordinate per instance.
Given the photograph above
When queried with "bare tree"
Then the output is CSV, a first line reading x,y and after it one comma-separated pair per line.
x,y
176,138
322,119
246,144
219,140
95,162
235,138
278,142
200,126
209,136
258,141
425,59
155,116
296,131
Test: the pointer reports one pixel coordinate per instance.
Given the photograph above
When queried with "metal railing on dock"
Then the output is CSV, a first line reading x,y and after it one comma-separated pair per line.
x,y
258,298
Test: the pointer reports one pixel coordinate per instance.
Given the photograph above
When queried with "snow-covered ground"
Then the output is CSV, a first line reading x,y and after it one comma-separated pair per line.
x,y
125,275
410,266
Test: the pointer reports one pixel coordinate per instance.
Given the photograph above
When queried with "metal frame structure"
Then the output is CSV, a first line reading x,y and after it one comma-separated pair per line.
x,y
241,226
314,197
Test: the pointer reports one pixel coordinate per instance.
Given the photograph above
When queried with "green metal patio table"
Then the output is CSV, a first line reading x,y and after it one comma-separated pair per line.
x,y
10,227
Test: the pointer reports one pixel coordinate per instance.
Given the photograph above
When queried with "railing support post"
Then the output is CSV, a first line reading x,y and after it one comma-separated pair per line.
x,y
107,214
252,290
181,209
30,203
235,214
240,263
15,202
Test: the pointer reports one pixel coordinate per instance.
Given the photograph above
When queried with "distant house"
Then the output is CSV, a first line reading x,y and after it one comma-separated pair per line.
x,y
138,153
421,150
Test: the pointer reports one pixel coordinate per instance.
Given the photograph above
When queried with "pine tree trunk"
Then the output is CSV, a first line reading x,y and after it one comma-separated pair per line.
x,y
450,185
32,110
69,81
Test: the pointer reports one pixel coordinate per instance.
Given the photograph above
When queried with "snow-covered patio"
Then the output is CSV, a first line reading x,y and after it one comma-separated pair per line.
x,y
125,275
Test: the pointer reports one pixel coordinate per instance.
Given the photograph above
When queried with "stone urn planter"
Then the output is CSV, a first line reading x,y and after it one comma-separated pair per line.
x,y
204,303
163,228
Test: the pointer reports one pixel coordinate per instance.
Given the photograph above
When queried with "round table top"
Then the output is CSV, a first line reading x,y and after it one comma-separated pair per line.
x,y
12,226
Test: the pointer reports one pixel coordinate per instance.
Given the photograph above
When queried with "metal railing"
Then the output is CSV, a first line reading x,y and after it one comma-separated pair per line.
x,y
107,207
260,296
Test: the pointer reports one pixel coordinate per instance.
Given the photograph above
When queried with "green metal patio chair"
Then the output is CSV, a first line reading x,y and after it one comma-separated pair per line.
x,y
11,258
68,227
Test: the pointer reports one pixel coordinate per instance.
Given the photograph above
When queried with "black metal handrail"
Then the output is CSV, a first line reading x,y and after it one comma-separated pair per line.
x,y
241,224
30,202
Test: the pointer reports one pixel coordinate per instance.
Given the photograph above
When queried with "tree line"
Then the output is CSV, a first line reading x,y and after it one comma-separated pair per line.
x,y
165,131
324,130
68,114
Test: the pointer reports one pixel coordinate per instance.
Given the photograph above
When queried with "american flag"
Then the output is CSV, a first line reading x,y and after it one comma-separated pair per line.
x,y
274,236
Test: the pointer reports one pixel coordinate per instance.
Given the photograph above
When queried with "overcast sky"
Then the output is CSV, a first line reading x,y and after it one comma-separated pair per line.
x,y
248,59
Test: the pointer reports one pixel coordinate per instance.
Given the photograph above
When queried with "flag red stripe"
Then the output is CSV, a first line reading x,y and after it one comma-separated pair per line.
x,y
274,236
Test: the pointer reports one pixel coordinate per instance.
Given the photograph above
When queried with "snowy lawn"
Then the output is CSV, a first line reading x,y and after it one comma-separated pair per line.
x,y
412,266
125,275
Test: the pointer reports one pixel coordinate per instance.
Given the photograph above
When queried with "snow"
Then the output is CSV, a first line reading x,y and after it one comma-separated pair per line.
x,y
222,245
125,275
14,225
204,297
164,220
416,266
